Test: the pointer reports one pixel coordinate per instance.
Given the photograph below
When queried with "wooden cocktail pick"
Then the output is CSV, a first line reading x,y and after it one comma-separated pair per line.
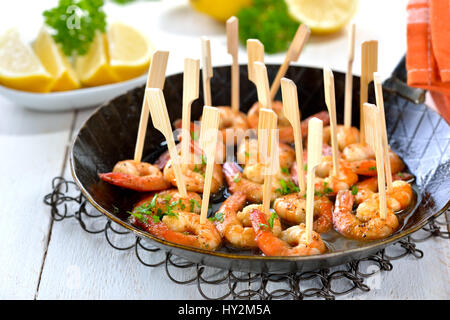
x,y
232,46
262,87
315,132
208,142
292,113
207,71
349,78
296,47
374,140
155,79
261,81
255,52
369,65
268,139
380,104
330,100
191,78
161,121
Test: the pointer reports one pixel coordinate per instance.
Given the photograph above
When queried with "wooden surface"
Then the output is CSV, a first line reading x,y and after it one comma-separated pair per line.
x,y
41,259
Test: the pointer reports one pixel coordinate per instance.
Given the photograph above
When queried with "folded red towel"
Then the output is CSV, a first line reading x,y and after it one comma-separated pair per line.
x,y
428,53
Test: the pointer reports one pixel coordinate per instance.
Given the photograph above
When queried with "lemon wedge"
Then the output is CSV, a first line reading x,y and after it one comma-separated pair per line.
x,y
20,68
220,10
93,68
55,62
129,51
323,16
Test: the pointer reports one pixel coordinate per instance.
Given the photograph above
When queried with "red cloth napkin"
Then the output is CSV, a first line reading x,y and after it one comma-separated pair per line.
x,y
428,53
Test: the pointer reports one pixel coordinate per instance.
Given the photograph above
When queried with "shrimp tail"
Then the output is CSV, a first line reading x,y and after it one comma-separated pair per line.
x,y
142,184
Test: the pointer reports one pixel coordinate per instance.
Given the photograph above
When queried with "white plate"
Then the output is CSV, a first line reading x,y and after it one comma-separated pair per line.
x,y
73,99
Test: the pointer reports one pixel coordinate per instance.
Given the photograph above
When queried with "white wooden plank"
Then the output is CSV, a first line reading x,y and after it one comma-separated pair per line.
x,y
32,148
83,266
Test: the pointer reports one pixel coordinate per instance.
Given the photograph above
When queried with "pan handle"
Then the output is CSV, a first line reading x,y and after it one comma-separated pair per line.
x,y
397,84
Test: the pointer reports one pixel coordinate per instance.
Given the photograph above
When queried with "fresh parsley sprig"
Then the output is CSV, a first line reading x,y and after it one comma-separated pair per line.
x,y
74,24
268,21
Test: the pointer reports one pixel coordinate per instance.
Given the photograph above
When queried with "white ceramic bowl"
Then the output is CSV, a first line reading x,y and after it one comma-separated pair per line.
x,y
73,99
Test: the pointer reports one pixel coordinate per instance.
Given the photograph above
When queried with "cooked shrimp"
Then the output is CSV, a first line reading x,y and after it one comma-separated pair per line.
x,y
253,184
195,135
232,125
345,136
170,200
292,208
292,241
139,176
366,224
194,177
357,152
183,228
247,153
286,132
397,199
232,224
368,167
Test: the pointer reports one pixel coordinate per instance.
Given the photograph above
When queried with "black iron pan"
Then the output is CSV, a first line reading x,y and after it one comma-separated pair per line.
x,y
420,136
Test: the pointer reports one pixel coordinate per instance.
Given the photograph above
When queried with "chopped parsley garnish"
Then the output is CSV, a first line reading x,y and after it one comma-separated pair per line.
x,y
237,177
263,226
285,170
194,203
217,217
287,187
247,154
400,174
272,218
305,167
354,190
194,135
372,168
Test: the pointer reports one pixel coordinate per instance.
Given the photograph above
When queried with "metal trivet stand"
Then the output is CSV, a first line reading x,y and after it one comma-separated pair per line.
x,y
315,284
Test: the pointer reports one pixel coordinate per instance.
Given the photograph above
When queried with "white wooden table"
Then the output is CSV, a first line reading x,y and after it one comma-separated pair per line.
x,y
40,259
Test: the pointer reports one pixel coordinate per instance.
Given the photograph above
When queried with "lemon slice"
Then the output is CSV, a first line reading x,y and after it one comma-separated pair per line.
x,y
20,68
129,51
93,68
220,10
55,62
323,16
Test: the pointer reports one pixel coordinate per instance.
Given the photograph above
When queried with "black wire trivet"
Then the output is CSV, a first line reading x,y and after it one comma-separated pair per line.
x,y
318,284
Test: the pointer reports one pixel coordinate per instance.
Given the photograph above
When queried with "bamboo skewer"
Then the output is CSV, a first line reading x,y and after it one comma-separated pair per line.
x,y
261,81
208,142
374,140
268,139
380,104
349,78
155,79
292,113
255,52
315,132
232,46
369,65
190,93
262,88
330,100
207,71
161,121
296,47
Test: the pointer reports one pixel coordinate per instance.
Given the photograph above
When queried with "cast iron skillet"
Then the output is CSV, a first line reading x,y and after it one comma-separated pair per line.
x,y
417,134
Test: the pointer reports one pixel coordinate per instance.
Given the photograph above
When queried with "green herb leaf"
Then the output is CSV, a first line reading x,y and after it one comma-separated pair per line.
x,y
217,217
268,21
272,218
237,177
263,226
74,24
373,168
285,170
